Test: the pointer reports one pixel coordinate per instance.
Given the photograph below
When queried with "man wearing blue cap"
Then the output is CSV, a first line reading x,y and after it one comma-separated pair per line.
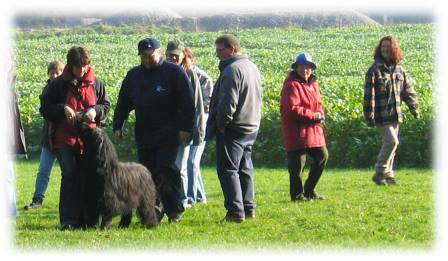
x,y
162,97
301,113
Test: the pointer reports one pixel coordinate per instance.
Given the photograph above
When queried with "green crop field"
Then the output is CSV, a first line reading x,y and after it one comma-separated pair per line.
x,y
343,56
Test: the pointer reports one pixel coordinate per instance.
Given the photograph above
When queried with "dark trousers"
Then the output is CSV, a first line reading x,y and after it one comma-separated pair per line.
x,y
296,163
160,161
70,193
235,171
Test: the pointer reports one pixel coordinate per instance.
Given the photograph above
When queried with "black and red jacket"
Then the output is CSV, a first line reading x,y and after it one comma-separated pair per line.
x,y
80,95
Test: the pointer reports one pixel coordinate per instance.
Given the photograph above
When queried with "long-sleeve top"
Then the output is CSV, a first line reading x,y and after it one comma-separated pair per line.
x,y
299,102
163,101
386,86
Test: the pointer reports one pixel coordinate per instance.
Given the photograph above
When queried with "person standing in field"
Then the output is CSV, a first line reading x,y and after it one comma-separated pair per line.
x,y
302,115
386,86
78,95
47,158
189,155
161,95
203,86
235,114
175,53
17,139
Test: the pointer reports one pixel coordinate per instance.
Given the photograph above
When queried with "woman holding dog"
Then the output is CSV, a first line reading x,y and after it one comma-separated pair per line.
x,y
78,95
301,116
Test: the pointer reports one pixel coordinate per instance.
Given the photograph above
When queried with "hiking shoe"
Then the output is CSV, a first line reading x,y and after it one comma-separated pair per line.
x,y
233,218
35,204
379,180
313,195
300,197
250,215
391,181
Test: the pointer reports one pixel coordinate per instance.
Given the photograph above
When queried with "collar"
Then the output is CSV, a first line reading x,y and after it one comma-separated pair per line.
x,y
224,63
88,78
295,76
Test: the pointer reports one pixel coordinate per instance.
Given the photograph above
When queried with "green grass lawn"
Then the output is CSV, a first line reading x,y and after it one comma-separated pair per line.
x,y
356,214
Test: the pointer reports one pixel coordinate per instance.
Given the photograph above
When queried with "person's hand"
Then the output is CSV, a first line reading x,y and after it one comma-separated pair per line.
x,y
317,116
118,134
89,115
184,137
70,115
416,114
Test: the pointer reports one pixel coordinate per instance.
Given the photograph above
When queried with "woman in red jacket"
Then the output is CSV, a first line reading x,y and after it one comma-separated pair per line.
x,y
301,116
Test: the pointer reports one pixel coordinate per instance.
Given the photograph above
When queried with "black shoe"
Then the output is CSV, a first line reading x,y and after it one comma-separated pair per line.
x,y
250,215
313,195
174,217
300,198
35,204
68,227
379,179
391,181
233,218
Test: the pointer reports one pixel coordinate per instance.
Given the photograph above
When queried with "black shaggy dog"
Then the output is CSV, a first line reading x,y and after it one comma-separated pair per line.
x,y
112,188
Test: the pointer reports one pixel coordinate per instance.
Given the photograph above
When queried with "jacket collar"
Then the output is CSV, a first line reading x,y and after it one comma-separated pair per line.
x,y
224,63
88,78
381,62
294,76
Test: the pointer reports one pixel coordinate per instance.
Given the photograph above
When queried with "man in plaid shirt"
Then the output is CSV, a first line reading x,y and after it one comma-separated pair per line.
x,y
386,86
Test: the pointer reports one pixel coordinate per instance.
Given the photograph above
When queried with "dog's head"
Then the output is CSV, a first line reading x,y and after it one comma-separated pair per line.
x,y
92,137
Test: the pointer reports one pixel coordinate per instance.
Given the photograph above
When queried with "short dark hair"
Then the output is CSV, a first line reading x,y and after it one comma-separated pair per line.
x,y
77,56
229,40
55,65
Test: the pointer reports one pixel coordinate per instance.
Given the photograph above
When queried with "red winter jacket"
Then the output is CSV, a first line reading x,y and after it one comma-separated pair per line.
x,y
299,101
79,99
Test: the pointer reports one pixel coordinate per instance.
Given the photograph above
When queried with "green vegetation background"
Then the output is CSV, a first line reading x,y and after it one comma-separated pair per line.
x,y
343,56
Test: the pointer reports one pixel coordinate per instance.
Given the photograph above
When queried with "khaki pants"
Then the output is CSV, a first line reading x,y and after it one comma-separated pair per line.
x,y
385,160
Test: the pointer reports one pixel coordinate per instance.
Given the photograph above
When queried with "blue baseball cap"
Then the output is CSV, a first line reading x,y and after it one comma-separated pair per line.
x,y
148,44
304,58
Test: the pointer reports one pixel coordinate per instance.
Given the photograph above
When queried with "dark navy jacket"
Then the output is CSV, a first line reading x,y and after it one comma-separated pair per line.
x,y
163,100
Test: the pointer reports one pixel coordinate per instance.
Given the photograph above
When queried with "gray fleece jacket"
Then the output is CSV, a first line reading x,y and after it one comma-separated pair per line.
x,y
237,99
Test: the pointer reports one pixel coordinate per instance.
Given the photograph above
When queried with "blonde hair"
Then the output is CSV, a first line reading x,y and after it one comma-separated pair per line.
x,y
55,65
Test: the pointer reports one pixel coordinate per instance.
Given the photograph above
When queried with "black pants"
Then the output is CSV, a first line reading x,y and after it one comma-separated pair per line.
x,y
296,163
70,198
235,171
160,161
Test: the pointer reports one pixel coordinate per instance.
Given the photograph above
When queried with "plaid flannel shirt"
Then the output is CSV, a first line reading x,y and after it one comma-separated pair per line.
x,y
385,88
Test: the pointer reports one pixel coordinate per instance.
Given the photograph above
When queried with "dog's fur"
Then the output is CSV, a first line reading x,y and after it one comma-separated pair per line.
x,y
113,188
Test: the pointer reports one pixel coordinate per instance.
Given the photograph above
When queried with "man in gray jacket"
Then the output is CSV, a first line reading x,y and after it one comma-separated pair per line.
x,y
235,113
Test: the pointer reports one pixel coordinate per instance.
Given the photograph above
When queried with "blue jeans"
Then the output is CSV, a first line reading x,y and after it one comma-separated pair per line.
x,y
195,192
46,163
181,164
235,171
70,194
